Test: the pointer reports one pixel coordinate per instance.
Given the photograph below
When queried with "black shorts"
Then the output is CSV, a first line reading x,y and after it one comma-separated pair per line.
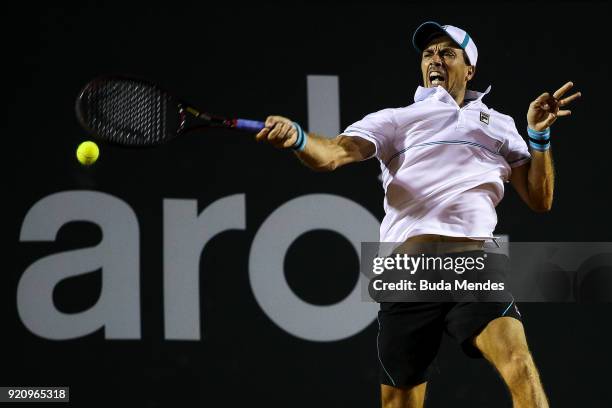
x,y
409,334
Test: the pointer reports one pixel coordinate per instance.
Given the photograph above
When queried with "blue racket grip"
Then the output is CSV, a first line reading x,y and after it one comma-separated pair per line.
x,y
250,125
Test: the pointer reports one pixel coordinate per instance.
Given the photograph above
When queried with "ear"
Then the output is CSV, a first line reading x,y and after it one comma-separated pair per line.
x,y
470,73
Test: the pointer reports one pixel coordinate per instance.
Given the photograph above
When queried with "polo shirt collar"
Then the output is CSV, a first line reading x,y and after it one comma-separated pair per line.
x,y
423,93
476,96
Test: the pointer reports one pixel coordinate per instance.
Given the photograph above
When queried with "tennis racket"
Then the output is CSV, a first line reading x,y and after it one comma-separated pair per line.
x,y
133,112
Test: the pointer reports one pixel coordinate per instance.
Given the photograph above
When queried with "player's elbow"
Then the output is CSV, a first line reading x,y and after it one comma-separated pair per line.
x,y
541,207
540,200
325,166
540,210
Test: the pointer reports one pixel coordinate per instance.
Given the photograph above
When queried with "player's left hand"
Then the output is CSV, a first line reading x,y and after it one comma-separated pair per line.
x,y
545,110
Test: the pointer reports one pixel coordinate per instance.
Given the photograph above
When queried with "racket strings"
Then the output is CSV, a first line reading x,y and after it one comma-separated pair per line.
x,y
126,112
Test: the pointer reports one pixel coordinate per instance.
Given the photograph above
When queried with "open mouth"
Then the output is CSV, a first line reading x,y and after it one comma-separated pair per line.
x,y
436,78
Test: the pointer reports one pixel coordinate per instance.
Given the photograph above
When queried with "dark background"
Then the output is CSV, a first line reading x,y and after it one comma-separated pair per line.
x,y
253,61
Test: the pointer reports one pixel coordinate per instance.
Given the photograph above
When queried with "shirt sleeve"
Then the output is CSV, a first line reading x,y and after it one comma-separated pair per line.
x,y
515,151
377,127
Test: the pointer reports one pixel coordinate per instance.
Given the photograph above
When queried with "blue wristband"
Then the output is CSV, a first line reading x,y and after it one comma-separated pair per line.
x,y
539,135
539,139
300,142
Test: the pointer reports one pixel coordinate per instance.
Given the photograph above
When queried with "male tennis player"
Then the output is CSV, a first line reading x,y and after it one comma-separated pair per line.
x,y
444,160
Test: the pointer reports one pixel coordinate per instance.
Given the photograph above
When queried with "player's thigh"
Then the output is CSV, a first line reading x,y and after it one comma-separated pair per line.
x,y
403,397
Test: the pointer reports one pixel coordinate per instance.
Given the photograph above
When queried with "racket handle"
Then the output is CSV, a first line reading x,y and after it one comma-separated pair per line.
x,y
249,125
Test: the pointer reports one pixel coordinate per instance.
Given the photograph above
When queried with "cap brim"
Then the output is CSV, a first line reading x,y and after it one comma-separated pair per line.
x,y
422,34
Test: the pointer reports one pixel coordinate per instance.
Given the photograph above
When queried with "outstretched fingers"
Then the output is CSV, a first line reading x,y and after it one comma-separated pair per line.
x,y
561,91
569,99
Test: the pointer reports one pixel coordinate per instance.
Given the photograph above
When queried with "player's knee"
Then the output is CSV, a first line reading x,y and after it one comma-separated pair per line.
x,y
388,398
517,366
394,397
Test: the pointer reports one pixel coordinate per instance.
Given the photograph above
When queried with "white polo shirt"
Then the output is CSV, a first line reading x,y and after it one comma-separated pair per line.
x,y
443,167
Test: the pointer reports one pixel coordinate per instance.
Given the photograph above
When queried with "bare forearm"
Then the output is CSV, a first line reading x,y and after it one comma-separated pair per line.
x,y
320,153
541,180
315,151
325,154
542,113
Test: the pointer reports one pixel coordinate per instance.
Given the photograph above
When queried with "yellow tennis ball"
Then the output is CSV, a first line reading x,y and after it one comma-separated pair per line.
x,y
87,153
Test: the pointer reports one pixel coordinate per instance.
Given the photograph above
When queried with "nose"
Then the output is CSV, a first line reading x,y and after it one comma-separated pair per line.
x,y
436,60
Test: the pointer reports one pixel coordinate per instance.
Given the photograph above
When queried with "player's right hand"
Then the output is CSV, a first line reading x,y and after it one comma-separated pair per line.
x,y
279,132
